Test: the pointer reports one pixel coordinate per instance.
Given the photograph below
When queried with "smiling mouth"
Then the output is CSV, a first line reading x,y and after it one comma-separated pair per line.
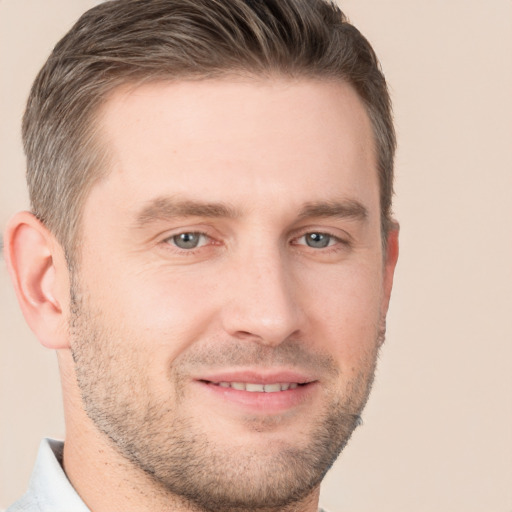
x,y
258,388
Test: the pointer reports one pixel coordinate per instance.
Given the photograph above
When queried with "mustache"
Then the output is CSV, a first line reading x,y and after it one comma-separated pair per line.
x,y
237,353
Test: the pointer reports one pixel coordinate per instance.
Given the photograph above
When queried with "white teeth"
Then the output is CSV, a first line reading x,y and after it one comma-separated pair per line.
x,y
259,388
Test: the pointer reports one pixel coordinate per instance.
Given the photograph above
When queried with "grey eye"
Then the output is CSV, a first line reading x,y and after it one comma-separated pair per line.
x,y
188,240
317,240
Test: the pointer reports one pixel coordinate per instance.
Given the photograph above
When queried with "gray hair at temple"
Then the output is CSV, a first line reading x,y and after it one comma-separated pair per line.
x,y
123,42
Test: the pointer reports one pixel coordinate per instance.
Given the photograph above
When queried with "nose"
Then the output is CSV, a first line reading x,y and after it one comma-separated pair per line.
x,y
262,304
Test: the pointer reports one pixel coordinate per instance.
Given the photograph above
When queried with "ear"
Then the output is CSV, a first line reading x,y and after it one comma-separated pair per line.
x,y
390,260
39,272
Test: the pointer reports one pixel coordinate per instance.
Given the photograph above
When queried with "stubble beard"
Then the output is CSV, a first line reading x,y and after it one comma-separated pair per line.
x,y
177,454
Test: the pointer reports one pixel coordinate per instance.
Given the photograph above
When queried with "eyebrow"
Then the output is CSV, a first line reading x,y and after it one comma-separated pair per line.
x,y
163,208
346,209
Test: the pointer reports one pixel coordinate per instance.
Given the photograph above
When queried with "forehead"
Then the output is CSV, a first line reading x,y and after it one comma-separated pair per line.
x,y
238,139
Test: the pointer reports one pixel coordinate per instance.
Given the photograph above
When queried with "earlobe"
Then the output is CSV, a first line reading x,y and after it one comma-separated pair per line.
x,y
38,270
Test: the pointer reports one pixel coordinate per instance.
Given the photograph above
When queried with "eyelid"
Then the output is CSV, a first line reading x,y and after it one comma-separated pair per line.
x,y
166,239
186,232
334,242
332,239
340,236
202,240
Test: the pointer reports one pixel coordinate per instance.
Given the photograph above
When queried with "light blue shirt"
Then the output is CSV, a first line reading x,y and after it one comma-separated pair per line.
x,y
49,489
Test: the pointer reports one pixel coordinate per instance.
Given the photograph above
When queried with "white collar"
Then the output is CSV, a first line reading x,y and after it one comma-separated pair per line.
x,y
49,489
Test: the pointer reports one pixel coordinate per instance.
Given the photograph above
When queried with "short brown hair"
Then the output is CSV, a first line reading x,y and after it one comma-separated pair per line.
x,y
123,41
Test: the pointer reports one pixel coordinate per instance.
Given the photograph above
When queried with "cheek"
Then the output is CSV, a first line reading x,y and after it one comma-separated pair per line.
x,y
344,310
165,310
161,311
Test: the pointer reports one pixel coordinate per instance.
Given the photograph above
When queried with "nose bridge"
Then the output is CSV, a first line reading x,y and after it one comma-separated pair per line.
x,y
263,305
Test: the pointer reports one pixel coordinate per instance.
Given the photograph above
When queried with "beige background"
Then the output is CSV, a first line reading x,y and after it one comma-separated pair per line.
x,y
438,428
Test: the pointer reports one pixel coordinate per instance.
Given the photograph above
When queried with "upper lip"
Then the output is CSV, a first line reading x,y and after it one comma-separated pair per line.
x,y
258,376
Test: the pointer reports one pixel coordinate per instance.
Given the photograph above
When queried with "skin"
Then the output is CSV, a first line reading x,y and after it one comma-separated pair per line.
x,y
149,326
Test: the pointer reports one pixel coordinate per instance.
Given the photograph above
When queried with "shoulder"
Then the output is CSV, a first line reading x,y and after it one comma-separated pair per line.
x,y
27,503
49,490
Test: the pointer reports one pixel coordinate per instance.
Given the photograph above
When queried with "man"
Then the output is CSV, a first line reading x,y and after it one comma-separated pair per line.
x,y
210,251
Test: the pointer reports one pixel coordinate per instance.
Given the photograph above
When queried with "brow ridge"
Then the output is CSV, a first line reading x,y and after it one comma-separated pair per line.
x,y
163,208
344,209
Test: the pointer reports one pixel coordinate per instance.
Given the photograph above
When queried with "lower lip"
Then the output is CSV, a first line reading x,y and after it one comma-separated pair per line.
x,y
276,402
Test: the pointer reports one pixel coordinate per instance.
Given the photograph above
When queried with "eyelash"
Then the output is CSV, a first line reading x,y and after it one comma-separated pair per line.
x,y
339,243
170,241
332,238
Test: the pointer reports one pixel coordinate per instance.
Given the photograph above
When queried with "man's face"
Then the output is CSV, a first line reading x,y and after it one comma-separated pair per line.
x,y
231,290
